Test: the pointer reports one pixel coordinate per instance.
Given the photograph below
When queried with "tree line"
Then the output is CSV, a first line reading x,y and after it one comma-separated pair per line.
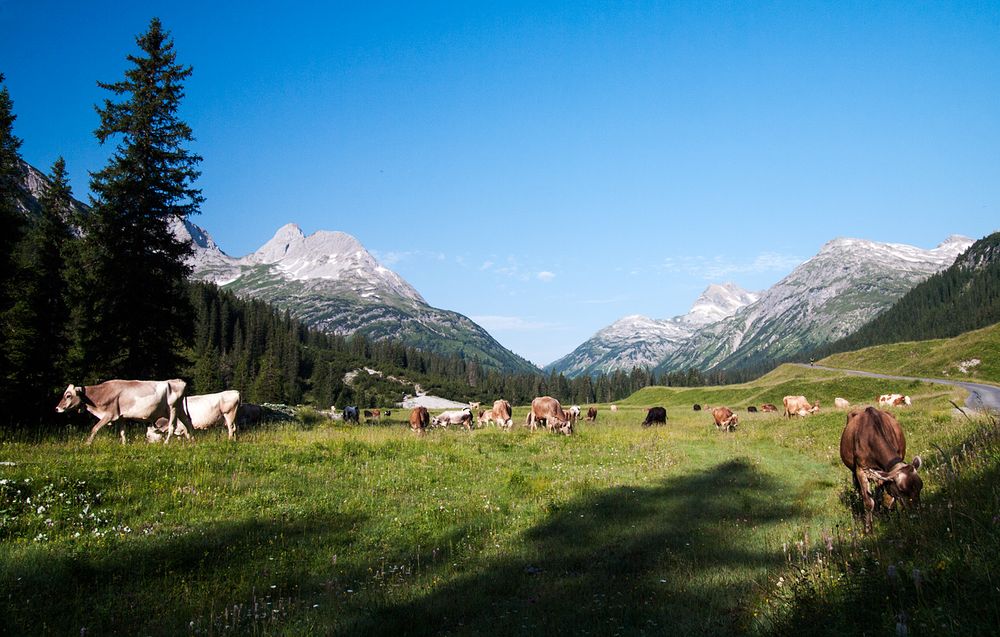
x,y
99,291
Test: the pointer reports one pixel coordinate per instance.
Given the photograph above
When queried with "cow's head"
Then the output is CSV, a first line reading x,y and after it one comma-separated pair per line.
x,y
902,482
72,398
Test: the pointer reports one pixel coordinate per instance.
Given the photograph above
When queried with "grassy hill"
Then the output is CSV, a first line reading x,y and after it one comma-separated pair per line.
x,y
939,358
351,530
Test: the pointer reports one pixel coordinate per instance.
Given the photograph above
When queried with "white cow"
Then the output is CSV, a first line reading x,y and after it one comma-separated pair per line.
x,y
204,411
456,417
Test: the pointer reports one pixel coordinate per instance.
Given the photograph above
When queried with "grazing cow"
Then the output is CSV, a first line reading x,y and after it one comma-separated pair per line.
x,y
614,407
501,414
458,417
386,413
655,416
144,400
248,415
420,418
841,403
798,406
574,413
872,447
373,414
697,407
351,414
725,419
204,411
485,417
768,408
592,414
547,411
894,400
751,409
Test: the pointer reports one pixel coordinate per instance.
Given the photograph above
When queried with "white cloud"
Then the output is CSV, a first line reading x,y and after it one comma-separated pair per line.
x,y
721,266
486,265
510,323
545,276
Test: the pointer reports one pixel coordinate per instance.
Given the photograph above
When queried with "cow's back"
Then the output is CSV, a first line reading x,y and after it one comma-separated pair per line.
x,y
871,438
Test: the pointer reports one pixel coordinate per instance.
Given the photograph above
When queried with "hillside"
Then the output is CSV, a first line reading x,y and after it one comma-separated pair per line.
x,y
963,297
972,356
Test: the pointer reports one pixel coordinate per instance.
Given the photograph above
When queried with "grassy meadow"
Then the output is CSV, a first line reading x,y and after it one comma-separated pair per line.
x,y
939,358
323,528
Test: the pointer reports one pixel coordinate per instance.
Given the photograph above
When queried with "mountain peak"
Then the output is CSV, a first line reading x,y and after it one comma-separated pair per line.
x,y
717,302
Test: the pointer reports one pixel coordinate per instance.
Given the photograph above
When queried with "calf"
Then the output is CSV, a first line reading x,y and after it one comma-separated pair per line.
x,y
872,447
768,408
725,419
592,414
751,409
655,416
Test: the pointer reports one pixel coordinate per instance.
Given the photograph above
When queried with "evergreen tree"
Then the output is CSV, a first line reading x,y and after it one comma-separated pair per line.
x,y
11,223
36,338
134,264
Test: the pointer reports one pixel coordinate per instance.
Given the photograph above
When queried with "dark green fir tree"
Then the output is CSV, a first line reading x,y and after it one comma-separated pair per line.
x,y
134,264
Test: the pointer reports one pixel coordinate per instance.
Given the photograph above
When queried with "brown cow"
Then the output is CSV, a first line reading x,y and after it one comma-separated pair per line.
x,y
485,417
502,414
144,400
592,414
725,419
547,411
872,447
798,406
420,419
768,408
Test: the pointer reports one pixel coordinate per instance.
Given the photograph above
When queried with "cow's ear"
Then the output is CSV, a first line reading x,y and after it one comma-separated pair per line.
x,y
78,391
878,476
917,463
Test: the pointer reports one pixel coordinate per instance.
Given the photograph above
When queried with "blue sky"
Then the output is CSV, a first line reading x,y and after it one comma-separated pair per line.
x,y
547,168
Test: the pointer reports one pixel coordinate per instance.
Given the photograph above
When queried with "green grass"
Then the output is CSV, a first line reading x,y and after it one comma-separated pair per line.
x,y
938,358
372,530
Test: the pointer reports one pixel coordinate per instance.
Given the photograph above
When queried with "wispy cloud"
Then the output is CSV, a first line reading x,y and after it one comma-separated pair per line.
x,y
486,265
511,323
722,266
545,276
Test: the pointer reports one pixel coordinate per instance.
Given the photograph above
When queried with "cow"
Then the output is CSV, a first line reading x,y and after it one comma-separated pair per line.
x,y
614,407
373,414
725,419
768,408
751,409
248,415
501,414
485,417
547,411
474,406
351,414
574,413
457,417
696,407
655,416
872,447
894,400
841,403
798,406
592,414
204,410
143,400
420,418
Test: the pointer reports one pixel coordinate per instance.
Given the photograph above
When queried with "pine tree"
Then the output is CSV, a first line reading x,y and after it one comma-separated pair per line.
x,y
37,321
11,228
134,263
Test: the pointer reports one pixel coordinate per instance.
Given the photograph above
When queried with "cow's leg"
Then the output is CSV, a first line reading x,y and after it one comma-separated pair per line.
x,y
121,430
231,426
866,498
97,427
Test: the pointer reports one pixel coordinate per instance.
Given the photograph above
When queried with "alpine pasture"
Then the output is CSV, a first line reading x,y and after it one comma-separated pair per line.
x,y
316,527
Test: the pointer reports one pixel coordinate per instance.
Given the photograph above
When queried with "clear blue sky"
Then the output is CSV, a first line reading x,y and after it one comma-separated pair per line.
x,y
546,168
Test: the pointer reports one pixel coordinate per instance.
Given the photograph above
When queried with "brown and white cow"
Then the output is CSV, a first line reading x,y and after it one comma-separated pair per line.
x,y
725,419
592,414
502,414
456,417
894,400
547,411
841,403
768,408
798,406
204,411
872,447
121,400
420,418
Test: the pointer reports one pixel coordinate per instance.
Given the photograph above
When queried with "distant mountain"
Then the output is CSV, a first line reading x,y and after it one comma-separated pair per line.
x,y
639,341
31,186
845,285
963,297
330,281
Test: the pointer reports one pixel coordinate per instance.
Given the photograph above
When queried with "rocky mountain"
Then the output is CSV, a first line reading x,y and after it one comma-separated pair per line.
x,y
330,281
845,285
640,341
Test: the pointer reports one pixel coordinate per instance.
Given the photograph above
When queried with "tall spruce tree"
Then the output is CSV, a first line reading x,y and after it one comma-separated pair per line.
x,y
11,227
135,265
36,343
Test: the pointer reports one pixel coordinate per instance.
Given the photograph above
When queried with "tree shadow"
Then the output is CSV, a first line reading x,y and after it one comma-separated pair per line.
x,y
630,560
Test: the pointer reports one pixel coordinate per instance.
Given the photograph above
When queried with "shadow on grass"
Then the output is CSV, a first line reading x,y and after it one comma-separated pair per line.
x,y
662,559
151,585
